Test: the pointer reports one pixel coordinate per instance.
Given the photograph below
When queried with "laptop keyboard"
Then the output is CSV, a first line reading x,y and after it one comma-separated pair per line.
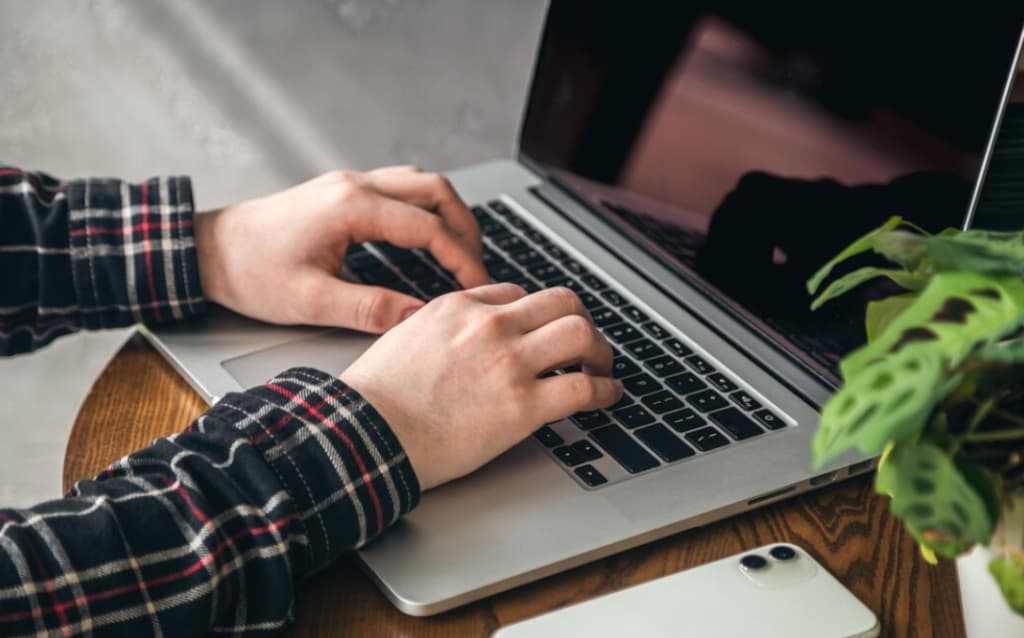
x,y
677,405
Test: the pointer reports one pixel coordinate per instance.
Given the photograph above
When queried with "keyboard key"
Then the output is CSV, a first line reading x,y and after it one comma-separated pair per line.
x,y
571,284
662,402
555,251
633,416
635,314
735,423
395,254
377,276
590,420
574,267
664,443
546,272
624,449
504,271
511,244
586,450
707,439
706,401
745,401
491,257
644,349
537,238
568,455
591,301
500,208
526,284
686,383
361,261
594,282
604,317
548,437
684,420
416,270
613,297
623,367
699,364
769,420
434,287
663,366
678,348
519,223
622,333
527,257
721,382
655,330
590,476
641,384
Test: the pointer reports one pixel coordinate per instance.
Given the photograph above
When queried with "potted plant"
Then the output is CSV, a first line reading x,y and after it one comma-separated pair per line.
x,y
938,390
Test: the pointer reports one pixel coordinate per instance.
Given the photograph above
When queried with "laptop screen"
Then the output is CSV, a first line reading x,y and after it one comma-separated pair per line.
x,y
745,144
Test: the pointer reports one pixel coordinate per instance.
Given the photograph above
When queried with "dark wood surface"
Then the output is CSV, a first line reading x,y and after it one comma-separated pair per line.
x,y
846,527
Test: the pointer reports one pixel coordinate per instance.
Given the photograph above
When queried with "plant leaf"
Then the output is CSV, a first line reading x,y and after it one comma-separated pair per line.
x,y
937,505
889,401
956,313
853,279
861,245
1010,351
1008,570
905,248
978,251
880,313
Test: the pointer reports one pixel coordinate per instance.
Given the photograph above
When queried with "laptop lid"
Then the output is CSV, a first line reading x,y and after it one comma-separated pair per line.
x,y
744,144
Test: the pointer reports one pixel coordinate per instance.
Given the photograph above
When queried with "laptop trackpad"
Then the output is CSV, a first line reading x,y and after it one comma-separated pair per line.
x,y
330,352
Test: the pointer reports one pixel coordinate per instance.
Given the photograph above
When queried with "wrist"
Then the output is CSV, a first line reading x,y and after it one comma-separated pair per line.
x,y
208,254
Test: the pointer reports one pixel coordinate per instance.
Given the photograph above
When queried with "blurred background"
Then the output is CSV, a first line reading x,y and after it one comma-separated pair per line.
x,y
246,97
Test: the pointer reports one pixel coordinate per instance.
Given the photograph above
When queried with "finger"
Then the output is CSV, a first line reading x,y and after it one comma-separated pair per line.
x,y
545,306
497,294
561,395
431,191
334,302
406,226
566,341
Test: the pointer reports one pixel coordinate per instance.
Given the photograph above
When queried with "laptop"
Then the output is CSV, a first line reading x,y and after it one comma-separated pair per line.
x,y
684,167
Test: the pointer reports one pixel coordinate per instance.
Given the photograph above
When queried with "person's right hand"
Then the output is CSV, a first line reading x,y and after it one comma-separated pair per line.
x,y
460,381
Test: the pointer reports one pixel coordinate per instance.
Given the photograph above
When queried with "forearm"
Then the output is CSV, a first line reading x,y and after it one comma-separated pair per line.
x,y
210,528
92,254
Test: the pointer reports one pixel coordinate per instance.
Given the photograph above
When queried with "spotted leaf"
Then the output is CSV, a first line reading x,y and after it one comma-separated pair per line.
x,y
851,280
888,401
932,498
978,251
861,245
956,313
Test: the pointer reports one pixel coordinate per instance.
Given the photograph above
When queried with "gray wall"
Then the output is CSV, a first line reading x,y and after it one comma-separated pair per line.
x,y
246,96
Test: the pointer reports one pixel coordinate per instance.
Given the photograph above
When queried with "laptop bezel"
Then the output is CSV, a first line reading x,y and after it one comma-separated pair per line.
x,y
636,239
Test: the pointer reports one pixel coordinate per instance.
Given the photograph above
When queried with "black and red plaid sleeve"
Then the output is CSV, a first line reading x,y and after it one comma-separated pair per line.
x,y
209,530
93,253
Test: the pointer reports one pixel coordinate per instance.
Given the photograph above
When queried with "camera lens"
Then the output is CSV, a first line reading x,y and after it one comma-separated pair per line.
x,y
753,561
781,552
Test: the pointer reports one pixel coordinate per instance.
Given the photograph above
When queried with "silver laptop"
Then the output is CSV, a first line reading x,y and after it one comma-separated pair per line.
x,y
684,169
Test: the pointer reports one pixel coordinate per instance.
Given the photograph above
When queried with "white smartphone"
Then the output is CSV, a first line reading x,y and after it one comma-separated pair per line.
x,y
775,590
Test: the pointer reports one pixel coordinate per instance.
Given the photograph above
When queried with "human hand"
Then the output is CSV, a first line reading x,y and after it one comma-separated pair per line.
x,y
277,258
459,382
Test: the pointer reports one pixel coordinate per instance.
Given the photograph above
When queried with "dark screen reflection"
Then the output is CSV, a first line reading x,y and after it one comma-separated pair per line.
x,y
751,143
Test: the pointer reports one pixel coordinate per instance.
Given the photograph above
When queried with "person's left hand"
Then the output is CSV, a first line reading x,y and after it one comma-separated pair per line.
x,y
277,258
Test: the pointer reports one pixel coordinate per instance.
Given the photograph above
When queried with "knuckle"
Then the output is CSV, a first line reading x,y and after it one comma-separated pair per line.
x,y
578,329
566,299
366,312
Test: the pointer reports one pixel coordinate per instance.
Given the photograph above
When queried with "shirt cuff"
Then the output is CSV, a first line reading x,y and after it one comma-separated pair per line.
x,y
336,457
133,251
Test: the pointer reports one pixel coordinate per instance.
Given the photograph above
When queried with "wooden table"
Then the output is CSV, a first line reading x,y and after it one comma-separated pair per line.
x,y
846,527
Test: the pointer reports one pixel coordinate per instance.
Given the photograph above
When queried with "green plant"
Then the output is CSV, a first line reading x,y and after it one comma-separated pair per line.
x,y
938,390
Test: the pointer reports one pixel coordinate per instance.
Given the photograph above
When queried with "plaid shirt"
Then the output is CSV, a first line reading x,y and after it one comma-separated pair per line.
x,y
205,531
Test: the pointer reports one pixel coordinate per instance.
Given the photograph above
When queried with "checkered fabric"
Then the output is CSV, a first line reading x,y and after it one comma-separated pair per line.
x,y
207,531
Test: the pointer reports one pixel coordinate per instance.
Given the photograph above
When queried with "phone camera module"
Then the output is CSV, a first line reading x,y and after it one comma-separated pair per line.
x,y
782,552
753,561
